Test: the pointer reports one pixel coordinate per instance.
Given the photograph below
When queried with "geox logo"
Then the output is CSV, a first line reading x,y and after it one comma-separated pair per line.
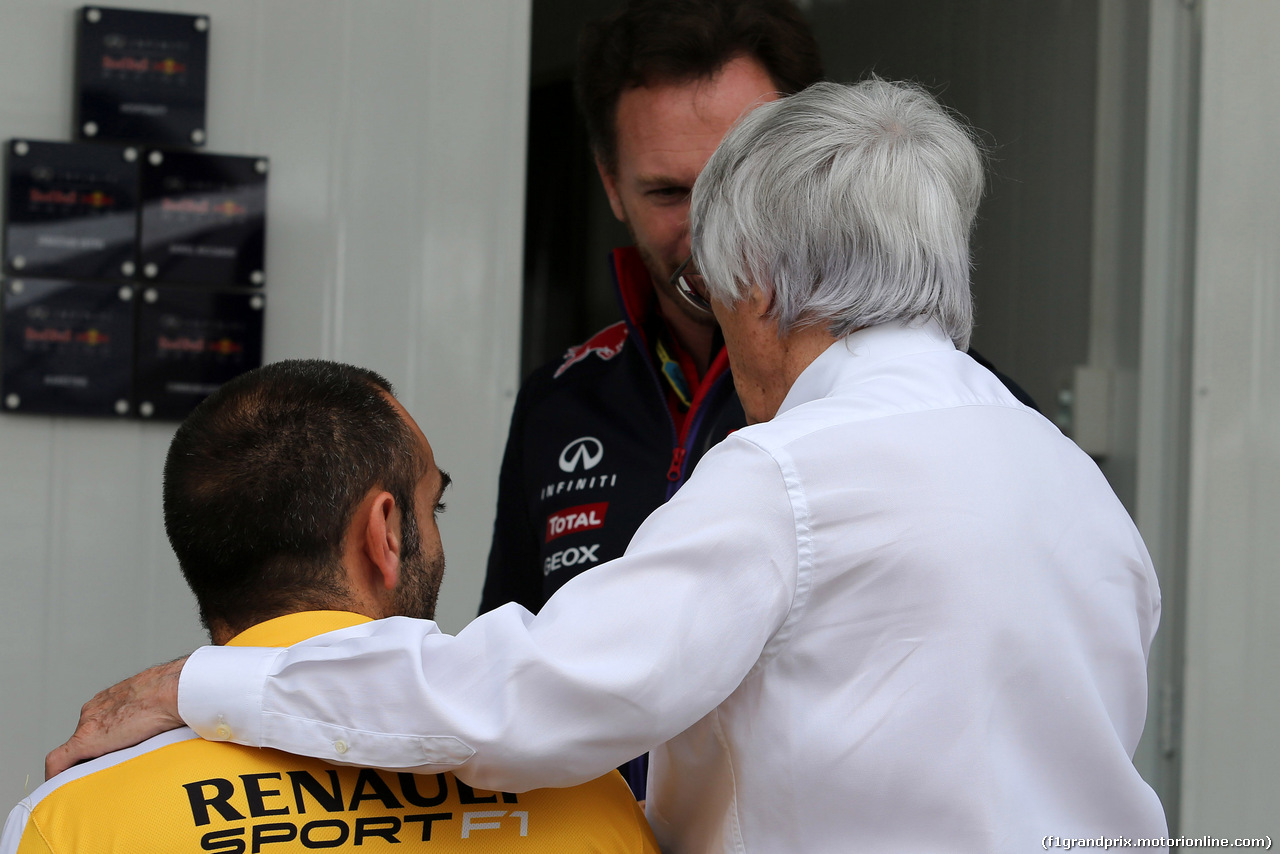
x,y
571,557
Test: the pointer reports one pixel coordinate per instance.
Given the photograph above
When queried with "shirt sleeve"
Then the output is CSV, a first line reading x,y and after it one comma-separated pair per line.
x,y
622,658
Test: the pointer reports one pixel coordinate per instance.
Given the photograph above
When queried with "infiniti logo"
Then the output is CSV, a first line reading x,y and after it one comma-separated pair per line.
x,y
587,452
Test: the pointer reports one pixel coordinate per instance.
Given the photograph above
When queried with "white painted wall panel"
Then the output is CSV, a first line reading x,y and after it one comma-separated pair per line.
x,y
395,130
1230,783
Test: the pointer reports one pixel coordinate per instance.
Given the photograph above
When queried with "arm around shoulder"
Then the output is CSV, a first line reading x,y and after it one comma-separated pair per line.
x,y
622,658
123,715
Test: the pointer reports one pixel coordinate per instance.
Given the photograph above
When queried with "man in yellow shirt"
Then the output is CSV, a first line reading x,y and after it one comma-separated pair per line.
x,y
301,498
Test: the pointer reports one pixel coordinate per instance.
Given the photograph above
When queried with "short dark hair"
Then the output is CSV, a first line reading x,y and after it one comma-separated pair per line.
x,y
263,477
652,41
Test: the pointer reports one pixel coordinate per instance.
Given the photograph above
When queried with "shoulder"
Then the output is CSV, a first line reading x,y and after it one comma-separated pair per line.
x,y
604,346
851,394
748,466
79,791
114,765
583,366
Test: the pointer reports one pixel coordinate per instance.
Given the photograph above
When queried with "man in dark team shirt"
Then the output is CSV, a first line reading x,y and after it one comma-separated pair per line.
x,y
603,436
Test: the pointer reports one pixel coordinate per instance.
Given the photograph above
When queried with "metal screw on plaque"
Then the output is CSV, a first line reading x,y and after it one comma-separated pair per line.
x,y
19,262
12,401
151,295
90,128
256,277
127,268
16,286
122,407
20,148
256,303
130,154
125,292
261,167
201,25
93,16
151,271
145,409
155,158
197,137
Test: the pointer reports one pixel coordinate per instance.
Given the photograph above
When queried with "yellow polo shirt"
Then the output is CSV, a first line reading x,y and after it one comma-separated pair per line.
x,y
177,792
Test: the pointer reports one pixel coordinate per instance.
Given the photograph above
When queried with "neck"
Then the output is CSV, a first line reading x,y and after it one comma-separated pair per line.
x,y
786,358
801,349
222,631
691,335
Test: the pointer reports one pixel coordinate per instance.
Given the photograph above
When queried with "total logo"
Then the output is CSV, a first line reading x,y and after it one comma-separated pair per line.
x,y
571,520
571,557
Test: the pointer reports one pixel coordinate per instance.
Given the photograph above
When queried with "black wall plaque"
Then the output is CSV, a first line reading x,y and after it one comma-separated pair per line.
x,y
141,76
72,210
68,347
203,218
190,341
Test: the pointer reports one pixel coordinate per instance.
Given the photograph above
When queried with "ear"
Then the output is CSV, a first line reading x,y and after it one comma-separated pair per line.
x,y
378,536
610,181
757,302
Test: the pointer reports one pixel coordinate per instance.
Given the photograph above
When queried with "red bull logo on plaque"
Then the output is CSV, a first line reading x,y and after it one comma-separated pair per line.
x,y
189,344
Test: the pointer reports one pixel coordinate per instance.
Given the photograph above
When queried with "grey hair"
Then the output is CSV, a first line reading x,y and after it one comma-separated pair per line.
x,y
848,205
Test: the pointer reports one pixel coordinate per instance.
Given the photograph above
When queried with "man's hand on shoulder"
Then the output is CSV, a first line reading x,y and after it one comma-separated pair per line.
x,y
123,715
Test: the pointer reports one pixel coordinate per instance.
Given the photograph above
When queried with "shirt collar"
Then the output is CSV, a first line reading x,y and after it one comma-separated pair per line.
x,y
295,628
850,357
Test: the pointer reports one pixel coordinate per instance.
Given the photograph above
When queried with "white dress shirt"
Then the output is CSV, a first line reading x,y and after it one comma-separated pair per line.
x,y
905,615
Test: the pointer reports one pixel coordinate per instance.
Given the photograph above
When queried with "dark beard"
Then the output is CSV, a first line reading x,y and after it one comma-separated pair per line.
x,y
419,586
420,575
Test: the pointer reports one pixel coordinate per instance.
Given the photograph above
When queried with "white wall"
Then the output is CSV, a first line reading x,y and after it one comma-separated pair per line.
x,y
1231,785
1159,414
396,135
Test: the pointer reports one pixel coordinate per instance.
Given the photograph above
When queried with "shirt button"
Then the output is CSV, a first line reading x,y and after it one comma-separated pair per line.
x,y
340,746
223,732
